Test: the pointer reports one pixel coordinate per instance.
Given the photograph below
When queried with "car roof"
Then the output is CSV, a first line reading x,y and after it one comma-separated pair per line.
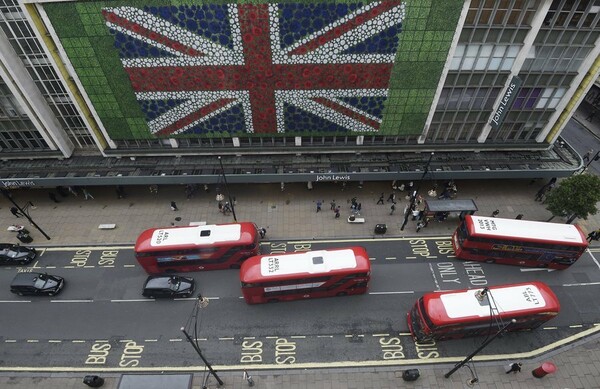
x,y
163,281
24,279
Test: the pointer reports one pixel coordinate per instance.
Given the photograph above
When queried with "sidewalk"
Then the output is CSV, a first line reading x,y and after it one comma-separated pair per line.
x,y
292,215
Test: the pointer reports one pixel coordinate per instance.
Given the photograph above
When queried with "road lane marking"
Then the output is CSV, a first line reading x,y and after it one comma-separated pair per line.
x,y
583,284
10,341
54,341
150,340
175,340
369,240
71,301
380,335
78,341
324,336
93,248
594,258
15,301
32,341
530,270
132,301
390,258
401,292
226,338
549,328
128,265
576,326
298,337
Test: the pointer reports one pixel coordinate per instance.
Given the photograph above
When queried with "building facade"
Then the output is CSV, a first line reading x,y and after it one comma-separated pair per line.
x,y
170,79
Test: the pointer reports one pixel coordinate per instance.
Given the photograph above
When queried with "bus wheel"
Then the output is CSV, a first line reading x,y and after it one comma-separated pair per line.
x,y
342,294
490,261
272,300
235,266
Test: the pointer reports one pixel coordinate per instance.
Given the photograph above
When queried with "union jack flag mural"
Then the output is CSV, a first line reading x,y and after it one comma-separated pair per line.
x,y
259,68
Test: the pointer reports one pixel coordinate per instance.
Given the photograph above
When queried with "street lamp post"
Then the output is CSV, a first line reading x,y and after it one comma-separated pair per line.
x,y
227,189
413,195
23,212
208,365
480,295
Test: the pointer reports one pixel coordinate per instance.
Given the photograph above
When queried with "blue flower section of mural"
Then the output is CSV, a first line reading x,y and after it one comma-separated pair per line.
x,y
372,105
210,21
154,108
298,120
296,21
383,43
229,121
130,47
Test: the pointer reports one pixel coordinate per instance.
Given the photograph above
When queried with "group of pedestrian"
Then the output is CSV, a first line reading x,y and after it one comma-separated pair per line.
x,y
594,235
64,192
225,209
450,191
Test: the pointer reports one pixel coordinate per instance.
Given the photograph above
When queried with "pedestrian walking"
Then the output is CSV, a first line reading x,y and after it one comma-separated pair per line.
x,y
226,208
73,191
540,193
594,235
495,213
587,155
514,368
220,207
15,211
380,201
319,203
52,197
337,213
263,232
393,208
392,198
120,192
174,206
420,225
415,213
332,204
87,195
359,207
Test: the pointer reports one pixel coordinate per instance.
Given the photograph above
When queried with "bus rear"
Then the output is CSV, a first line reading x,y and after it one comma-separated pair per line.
x,y
196,248
311,274
465,313
518,242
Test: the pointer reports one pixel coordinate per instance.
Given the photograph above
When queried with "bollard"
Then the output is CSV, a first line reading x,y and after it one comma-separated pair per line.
x,y
546,368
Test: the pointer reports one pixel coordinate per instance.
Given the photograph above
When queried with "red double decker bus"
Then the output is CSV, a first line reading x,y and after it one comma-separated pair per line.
x,y
518,242
310,274
471,312
194,248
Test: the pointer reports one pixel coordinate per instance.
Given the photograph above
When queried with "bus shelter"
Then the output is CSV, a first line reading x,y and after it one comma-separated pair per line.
x,y
441,209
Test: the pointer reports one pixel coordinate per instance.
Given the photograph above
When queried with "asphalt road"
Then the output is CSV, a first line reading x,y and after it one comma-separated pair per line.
x,y
101,321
